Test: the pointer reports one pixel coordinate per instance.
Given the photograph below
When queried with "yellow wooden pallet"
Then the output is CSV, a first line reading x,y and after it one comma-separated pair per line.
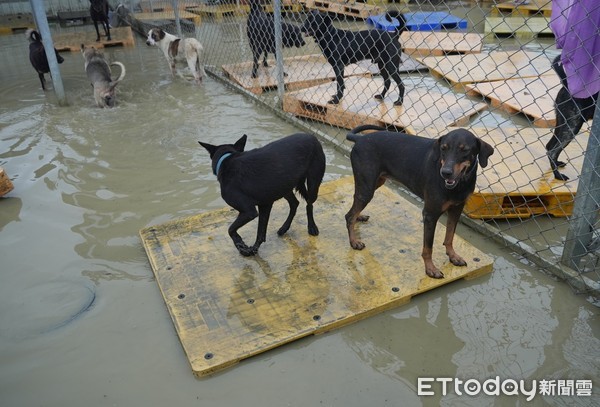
x,y
533,97
529,8
460,70
154,6
218,11
302,72
226,307
424,106
438,43
520,27
169,16
518,182
11,23
355,10
71,41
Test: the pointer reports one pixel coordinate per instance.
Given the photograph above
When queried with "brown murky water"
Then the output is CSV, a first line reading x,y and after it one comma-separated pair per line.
x,y
82,321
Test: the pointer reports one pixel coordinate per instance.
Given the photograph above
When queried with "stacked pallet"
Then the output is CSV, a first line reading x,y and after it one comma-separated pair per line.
x,y
349,9
520,19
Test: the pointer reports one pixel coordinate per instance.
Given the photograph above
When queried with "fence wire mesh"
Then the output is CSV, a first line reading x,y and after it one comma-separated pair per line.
x,y
483,65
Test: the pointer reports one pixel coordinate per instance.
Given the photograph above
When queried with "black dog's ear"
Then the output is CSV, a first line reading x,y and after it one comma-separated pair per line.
x,y
241,143
435,151
485,150
209,147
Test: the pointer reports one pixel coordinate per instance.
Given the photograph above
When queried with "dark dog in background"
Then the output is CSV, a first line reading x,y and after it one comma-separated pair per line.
x,y
261,35
441,171
571,114
342,48
259,177
99,13
37,55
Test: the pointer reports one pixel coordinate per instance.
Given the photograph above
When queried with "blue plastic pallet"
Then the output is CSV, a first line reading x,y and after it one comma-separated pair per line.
x,y
420,21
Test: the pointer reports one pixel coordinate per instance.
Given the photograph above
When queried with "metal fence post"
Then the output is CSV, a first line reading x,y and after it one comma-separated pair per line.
x,y
587,202
279,50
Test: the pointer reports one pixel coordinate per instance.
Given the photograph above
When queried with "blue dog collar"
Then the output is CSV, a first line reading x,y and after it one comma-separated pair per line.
x,y
218,166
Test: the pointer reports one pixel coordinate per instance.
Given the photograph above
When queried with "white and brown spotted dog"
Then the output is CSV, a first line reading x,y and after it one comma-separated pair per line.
x,y
177,49
99,74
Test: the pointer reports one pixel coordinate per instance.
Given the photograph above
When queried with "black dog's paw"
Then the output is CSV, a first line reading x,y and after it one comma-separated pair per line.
x,y
560,176
313,230
561,164
245,250
399,102
334,100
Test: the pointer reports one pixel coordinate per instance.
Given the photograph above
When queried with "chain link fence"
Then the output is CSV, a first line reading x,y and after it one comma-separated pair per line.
x,y
483,65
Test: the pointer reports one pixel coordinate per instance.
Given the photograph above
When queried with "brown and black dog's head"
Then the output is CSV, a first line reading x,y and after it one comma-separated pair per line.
x,y
458,153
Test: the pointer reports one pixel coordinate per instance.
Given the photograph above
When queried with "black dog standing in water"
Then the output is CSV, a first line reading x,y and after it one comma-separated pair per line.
x,y
261,35
571,113
342,48
440,171
37,55
99,13
264,175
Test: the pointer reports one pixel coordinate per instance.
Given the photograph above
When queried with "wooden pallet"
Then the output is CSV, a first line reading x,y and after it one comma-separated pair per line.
x,y
460,70
520,27
226,307
530,8
302,72
168,16
71,41
533,97
424,106
518,182
219,11
5,184
160,6
11,23
355,10
437,43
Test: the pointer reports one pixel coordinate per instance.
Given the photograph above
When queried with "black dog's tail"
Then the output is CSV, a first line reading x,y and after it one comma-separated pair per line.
x,y
352,136
560,71
398,16
33,36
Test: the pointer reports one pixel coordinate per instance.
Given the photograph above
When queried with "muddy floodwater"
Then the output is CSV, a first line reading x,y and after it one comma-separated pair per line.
x,y
82,320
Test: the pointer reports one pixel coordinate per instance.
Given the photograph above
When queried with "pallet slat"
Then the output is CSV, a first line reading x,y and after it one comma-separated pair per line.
x,y
533,97
460,70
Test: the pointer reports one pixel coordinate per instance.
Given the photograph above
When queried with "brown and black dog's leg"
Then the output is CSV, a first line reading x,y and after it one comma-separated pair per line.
x,y
454,213
429,223
363,193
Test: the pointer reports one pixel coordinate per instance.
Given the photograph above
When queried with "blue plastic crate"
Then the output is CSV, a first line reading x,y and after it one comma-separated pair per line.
x,y
420,21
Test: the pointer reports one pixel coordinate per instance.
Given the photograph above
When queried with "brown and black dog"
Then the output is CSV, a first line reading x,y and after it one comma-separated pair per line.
x,y
441,171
